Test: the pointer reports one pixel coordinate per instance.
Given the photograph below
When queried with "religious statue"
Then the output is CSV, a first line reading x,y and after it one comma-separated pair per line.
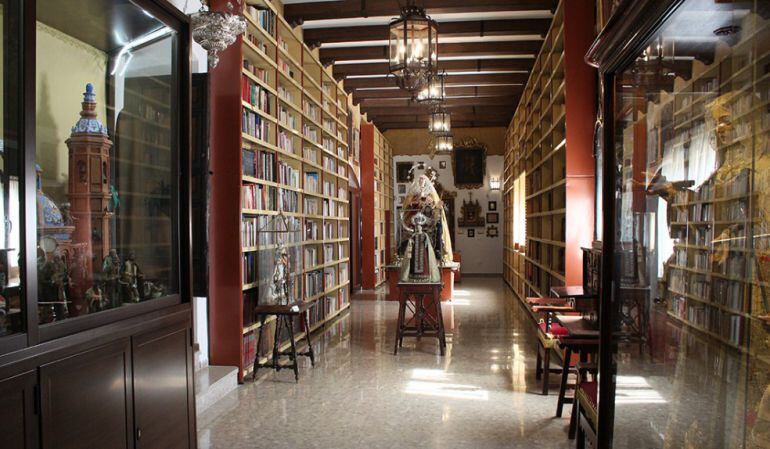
x,y
419,262
130,278
95,298
111,275
422,197
279,290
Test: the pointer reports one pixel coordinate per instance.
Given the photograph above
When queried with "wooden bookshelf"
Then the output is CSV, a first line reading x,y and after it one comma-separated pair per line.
x,y
555,160
273,102
376,200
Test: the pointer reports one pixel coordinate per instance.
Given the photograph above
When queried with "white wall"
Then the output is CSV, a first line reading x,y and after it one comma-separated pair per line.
x,y
480,254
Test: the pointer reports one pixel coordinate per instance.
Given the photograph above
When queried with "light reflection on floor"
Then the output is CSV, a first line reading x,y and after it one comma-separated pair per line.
x,y
482,395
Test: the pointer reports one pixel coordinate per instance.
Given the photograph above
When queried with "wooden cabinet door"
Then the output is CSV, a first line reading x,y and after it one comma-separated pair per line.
x,y
17,411
86,399
164,407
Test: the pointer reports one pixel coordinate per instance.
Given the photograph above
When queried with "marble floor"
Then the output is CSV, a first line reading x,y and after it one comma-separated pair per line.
x,y
482,394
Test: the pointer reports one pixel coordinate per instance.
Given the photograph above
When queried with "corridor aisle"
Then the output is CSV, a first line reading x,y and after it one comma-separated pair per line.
x,y
482,395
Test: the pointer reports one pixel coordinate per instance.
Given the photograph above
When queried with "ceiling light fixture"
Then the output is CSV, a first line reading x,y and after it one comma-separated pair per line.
x,y
413,48
216,30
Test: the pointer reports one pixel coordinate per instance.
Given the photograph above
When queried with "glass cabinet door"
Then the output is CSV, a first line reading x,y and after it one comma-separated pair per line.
x,y
106,153
691,299
12,305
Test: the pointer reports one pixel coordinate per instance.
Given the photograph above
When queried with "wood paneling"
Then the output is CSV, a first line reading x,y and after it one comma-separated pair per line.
x,y
17,414
163,384
86,400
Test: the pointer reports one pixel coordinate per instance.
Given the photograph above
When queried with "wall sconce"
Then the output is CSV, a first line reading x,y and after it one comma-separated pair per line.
x,y
494,183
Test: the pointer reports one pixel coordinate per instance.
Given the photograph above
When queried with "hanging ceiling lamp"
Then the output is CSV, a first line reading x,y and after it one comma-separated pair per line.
x,y
440,121
444,142
434,92
215,30
413,48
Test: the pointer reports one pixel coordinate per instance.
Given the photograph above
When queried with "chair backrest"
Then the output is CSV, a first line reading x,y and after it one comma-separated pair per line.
x,y
592,270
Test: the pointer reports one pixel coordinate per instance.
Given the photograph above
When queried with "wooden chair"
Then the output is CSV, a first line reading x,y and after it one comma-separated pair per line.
x,y
547,333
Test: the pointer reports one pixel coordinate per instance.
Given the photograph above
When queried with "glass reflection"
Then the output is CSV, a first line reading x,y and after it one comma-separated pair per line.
x,y
691,303
11,301
106,152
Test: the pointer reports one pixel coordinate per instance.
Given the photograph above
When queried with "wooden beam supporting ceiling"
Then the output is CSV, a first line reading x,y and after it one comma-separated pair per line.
x,y
444,50
486,65
315,36
449,103
475,80
343,9
494,110
482,91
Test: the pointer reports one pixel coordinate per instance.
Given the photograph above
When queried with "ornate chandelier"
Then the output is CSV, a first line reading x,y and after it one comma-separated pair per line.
x,y
215,30
444,142
413,48
440,121
434,92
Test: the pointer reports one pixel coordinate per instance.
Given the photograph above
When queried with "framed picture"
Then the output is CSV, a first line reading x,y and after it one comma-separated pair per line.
x,y
402,189
469,164
442,164
402,171
471,233
492,231
492,206
493,217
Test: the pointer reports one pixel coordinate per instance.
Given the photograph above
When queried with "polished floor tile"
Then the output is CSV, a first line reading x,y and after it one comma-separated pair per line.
x,y
482,394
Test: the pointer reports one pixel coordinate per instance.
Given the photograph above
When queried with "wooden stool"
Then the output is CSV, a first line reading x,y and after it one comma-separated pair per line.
x,y
572,345
284,316
547,333
413,297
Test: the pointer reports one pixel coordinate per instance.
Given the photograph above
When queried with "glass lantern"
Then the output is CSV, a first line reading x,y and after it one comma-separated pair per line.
x,y
440,121
444,142
434,92
413,48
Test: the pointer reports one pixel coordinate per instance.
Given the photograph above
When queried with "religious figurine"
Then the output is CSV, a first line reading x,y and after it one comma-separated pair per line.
x,y
111,275
279,290
422,197
130,278
114,202
66,214
95,298
420,263
60,279
151,290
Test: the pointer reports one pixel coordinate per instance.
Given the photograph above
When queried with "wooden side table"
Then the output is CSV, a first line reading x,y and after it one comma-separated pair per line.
x,y
284,315
424,322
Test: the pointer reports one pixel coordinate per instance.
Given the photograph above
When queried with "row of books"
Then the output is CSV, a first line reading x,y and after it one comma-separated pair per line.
x,y
258,72
311,206
313,283
254,125
311,256
254,231
288,200
330,277
329,253
259,164
311,154
330,164
726,325
286,68
287,118
286,94
265,18
257,42
285,142
329,188
288,175
311,110
310,133
328,145
257,196
255,95
328,229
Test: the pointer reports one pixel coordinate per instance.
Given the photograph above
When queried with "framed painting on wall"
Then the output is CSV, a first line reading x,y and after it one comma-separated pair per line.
x,y
493,217
402,171
469,164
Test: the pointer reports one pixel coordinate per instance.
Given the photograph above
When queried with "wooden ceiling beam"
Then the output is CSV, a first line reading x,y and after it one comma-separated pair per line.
x,y
344,9
452,91
487,65
450,102
328,55
494,110
315,36
476,80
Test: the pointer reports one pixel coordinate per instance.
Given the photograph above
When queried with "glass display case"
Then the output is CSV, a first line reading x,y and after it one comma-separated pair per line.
x,y
686,327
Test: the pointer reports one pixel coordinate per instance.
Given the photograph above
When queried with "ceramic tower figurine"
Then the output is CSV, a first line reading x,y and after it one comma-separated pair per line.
x,y
89,185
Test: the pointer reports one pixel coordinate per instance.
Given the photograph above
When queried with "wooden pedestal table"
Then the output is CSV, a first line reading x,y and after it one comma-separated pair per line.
x,y
449,273
284,315
426,319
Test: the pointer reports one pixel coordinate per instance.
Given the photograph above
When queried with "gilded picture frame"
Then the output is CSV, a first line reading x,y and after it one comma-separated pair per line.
x,y
469,164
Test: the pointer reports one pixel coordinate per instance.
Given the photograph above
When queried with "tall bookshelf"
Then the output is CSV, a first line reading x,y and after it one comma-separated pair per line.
x,y
555,160
376,200
279,144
